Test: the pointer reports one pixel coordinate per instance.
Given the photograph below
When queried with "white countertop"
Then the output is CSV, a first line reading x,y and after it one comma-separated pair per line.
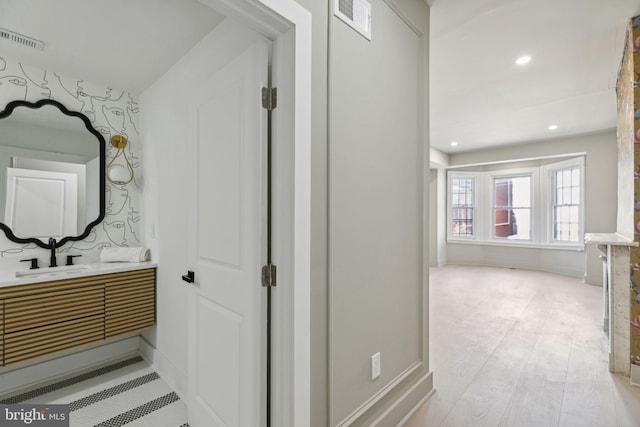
x,y
613,239
8,278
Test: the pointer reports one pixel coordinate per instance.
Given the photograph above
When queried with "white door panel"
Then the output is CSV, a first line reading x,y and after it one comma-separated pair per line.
x,y
226,235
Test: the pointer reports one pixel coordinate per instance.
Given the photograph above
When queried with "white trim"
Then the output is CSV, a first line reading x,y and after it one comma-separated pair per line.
x,y
416,407
524,159
352,417
293,352
517,244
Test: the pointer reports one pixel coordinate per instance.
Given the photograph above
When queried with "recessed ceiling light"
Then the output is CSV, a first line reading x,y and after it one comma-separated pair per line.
x,y
454,143
553,127
523,60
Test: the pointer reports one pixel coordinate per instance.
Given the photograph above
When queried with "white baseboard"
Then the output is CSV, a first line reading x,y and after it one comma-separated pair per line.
x,y
416,407
61,367
408,403
176,379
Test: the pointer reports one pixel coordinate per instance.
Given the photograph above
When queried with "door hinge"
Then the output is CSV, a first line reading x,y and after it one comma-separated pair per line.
x,y
269,275
269,98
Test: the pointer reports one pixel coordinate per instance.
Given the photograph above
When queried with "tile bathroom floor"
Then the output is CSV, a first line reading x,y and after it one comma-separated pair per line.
x,y
127,393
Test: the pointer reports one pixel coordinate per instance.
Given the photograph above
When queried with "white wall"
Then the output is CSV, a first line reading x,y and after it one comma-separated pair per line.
x,y
377,177
163,122
600,208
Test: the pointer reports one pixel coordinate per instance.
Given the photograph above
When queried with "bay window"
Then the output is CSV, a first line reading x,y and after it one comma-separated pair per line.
x,y
540,206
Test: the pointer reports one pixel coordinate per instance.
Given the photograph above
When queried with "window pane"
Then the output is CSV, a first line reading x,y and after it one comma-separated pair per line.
x,y
573,233
502,217
512,213
518,227
575,195
503,193
574,214
575,177
462,206
522,221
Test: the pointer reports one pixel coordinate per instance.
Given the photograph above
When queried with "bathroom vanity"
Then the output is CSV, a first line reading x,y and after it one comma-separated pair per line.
x,y
46,313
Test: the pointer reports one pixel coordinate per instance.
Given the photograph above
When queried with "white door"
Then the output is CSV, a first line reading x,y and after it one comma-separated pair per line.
x,y
226,352
41,204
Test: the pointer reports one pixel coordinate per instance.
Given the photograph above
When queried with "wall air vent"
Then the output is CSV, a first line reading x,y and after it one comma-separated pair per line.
x,y
26,41
356,13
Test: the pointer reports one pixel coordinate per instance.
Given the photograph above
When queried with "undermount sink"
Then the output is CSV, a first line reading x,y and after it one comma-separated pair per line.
x,y
52,271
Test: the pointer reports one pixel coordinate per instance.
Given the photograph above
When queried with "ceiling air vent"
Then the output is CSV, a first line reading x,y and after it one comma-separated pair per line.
x,y
26,41
356,13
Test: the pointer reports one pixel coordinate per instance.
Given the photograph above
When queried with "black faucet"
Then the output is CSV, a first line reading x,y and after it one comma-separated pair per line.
x,y
52,244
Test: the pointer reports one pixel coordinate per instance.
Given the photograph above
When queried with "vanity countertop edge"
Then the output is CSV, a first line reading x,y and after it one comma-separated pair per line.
x,y
8,279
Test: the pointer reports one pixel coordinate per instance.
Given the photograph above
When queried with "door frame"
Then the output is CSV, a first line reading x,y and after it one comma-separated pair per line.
x,y
288,26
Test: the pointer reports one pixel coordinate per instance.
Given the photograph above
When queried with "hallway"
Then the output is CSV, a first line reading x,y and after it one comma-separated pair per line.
x,y
520,348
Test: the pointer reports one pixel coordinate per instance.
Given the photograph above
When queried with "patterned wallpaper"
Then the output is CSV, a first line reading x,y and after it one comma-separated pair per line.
x,y
111,112
629,130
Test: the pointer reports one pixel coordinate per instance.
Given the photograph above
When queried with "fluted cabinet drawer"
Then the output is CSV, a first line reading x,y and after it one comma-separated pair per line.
x,y
1,332
130,304
46,308
44,340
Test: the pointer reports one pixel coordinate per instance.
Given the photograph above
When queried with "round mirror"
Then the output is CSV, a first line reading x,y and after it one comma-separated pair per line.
x,y
52,173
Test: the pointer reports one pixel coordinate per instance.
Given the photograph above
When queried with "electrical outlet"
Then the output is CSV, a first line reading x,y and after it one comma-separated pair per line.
x,y
375,366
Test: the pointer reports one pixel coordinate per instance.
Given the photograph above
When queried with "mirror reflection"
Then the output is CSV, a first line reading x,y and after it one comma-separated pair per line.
x,y
50,180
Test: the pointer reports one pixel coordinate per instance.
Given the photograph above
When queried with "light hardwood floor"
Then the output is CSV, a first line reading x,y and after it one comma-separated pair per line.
x,y
520,348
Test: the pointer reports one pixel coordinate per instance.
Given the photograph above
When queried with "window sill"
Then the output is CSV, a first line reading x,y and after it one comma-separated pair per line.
x,y
514,244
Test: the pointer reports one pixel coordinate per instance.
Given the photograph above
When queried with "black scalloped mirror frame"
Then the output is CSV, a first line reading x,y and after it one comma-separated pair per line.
x,y
38,104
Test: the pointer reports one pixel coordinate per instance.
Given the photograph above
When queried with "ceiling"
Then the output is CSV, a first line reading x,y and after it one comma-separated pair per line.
x,y
480,98
124,44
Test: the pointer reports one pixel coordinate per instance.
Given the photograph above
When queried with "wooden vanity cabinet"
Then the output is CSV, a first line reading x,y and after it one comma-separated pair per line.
x,y
44,318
